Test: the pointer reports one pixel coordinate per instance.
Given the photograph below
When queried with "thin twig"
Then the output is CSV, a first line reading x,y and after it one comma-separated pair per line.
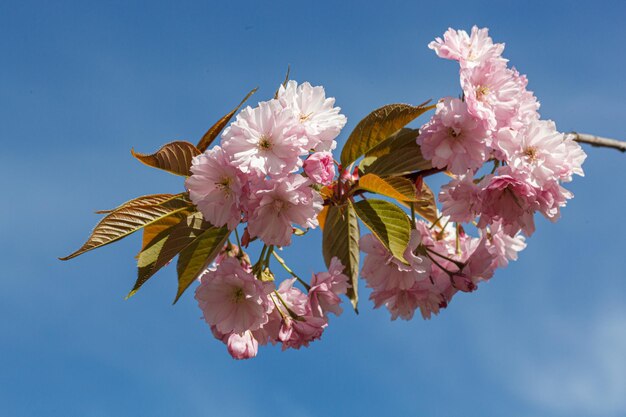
x,y
599,141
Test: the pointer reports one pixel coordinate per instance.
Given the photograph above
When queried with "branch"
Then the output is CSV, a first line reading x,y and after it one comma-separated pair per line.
x,y
599,141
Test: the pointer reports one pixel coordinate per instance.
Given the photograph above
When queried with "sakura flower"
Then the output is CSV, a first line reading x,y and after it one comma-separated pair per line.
x,y
295,299
215,188
504,247
232,251
509,199
305,328
469,50
263,141
492,93
478,260
232,299
460,199
320,167
382,271
326,287
551,198
298,333
403,302
573,156
453,138
319,122
242,346
277,204
540,151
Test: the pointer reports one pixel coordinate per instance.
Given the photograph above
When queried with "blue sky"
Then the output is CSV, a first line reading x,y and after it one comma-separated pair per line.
x,y
83,82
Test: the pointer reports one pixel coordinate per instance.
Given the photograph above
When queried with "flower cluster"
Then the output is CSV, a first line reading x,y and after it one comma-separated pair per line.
x,y
253,178
494,123
245,312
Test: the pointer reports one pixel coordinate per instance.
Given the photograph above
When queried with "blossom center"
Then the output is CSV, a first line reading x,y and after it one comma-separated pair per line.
x,y
238,295
454,133
531,153
224,185
304,117
481,92
265,143
279,205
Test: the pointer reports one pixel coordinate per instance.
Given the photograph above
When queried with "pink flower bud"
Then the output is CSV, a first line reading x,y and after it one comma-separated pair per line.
x,y
319,167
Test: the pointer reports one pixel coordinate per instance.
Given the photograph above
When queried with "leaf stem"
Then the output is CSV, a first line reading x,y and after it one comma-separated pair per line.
x,y
290,311
293,274
459,264
238,240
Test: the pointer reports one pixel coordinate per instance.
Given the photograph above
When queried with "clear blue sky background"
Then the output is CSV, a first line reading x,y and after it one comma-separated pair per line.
x,y
83,82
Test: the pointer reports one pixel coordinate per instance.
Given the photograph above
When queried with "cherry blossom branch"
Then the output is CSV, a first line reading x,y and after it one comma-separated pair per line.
x,y
598,141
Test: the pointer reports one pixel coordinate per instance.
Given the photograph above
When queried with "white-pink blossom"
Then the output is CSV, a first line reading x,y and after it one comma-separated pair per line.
x,y
504,247
264,140
326,287
318,120
242,345
469,50
279,203
297,332
403,302
320,167
382,271
541,152
232,299
513,200
492,93
215,188
460,199
454,139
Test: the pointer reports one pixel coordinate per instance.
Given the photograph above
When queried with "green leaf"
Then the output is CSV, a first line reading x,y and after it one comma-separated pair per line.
x,y
341,239
198,255
126,220
163,240
388,222
376,127
398,188
398,155
215,130
174,157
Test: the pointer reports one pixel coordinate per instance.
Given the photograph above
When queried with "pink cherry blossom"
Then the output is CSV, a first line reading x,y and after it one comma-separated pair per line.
x,y
541,152
574,157
453,138
550,198
297,332
509,199
232,299
382,271
279,203
262,140
469,50
320,167
479,260
215,188
326,287
460,199
242,345
232,251
504,247
319,122
403,302
296,300
492,93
